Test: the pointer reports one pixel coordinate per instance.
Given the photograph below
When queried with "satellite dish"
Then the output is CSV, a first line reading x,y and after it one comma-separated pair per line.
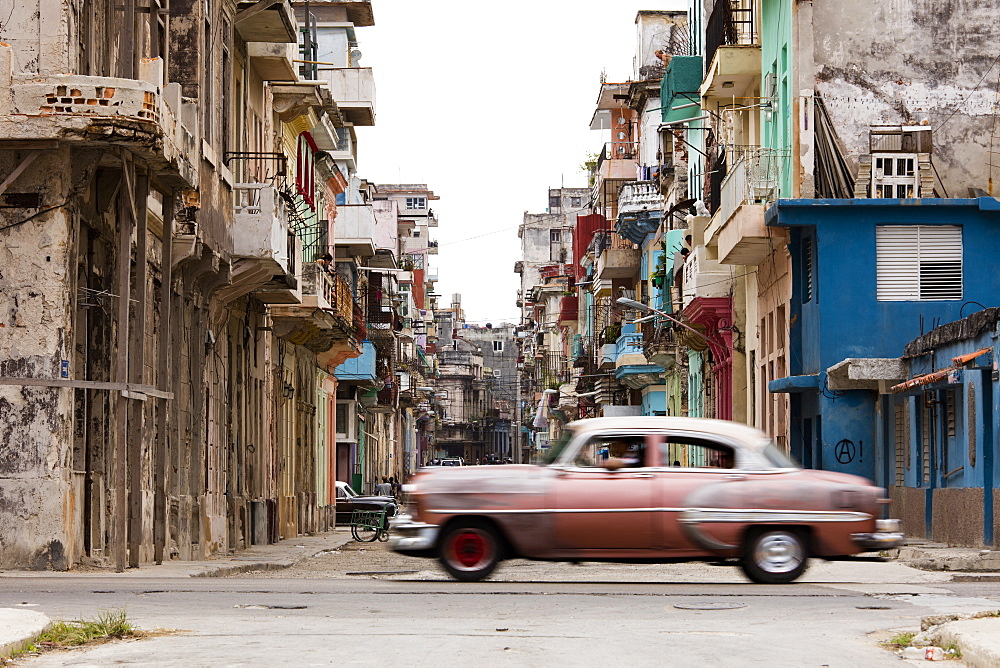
x,y
355,56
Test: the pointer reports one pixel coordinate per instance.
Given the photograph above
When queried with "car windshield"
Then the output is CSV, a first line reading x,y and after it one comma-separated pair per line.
x,y
775,456
348,492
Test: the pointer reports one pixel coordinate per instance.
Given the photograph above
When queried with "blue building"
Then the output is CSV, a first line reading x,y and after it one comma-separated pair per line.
x,y
941,433
869,276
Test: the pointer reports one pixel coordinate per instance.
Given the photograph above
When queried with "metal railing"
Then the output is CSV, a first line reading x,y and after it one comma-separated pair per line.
x,y
608,239
754,178
732,22
618,150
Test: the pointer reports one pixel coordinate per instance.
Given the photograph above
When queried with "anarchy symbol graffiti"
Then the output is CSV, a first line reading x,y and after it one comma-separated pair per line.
x,y
845,451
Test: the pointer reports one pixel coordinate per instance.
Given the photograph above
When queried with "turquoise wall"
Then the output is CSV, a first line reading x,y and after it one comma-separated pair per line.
x,y
776,70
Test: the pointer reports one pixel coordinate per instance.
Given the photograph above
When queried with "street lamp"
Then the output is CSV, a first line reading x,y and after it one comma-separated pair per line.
x,y
639,306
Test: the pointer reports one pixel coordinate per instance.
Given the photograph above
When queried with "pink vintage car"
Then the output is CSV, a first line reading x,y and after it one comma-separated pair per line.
x,y
650,489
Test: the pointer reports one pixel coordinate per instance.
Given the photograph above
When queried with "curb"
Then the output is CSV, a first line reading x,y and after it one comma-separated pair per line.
x,y
34,624
975,577
224,571
276,564
977,651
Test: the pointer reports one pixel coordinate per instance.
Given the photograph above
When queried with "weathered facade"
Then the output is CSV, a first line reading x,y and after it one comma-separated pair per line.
x,y
185,245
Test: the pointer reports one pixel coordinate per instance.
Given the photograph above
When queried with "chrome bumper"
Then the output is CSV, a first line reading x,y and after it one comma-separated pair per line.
x,y
407,536
886,536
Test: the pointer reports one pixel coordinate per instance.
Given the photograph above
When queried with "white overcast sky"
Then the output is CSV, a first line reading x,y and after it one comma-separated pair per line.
x,y
489,104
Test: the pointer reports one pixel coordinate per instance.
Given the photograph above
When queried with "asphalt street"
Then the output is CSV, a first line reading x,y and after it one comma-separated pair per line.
x,y
372,607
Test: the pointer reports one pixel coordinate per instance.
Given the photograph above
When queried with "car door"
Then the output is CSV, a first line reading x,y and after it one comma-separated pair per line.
x,y
344,505
697,485
595,508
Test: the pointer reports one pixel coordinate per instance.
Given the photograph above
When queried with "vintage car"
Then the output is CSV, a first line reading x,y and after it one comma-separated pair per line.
x,y
348,501
645,489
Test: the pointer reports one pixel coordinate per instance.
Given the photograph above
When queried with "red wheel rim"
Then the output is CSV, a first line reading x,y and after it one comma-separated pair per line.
x,y
470,548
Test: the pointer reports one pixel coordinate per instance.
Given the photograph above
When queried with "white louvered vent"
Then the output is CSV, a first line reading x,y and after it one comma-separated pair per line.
x,y
918,262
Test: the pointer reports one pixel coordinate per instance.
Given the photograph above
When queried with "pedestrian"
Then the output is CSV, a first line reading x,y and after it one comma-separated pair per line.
x,y
384,489
394,486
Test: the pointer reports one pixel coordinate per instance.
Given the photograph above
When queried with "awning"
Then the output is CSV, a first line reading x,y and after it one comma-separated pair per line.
x,y
790,384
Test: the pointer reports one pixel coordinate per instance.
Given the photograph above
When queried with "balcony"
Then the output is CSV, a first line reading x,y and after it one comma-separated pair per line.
x,y
618,161
704,277
679,88
145,115
354,229
732,22
632,369
325,316
738,228
432,219
569,308
273,60
328,291
353,89
432,247
735,71
617,257
359,369
274,23
260,229
640,210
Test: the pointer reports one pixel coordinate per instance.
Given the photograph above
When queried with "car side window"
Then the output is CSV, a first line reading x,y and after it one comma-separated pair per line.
x,y
696,453
595,452
341,493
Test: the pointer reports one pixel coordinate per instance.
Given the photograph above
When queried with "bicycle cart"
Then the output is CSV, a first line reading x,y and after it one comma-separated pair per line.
x,y
368,525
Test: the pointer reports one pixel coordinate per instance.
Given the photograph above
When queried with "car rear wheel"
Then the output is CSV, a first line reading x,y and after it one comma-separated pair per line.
x,y
774,556
470,550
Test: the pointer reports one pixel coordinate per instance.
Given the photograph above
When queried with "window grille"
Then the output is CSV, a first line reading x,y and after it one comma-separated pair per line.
x,y
925,435
901,444
807,269
918,262
950,401
895,176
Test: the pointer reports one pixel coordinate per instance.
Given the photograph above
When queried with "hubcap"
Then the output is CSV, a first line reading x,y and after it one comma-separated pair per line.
x,y
471,549
778,552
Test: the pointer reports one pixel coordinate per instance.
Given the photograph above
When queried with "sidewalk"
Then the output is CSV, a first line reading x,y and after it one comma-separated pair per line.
x,y
969,564
19,627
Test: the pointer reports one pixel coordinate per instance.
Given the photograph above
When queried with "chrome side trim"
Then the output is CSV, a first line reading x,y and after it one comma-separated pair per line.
x,y
542,511
702,515
688,515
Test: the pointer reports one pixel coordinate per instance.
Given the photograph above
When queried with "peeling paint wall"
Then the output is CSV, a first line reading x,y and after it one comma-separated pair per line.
x,y
35,422
908,61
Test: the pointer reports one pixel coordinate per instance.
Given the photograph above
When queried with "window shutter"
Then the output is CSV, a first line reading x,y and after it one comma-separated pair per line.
x,y
918,262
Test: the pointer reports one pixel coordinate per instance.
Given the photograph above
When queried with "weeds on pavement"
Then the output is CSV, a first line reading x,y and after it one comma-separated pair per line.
x,y
109,625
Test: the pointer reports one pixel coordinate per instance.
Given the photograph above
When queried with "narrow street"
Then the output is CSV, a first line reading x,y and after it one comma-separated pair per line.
x,y
363,605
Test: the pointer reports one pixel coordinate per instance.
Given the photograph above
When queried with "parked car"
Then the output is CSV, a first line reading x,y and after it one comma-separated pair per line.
x,y
454,461
348,501
646,489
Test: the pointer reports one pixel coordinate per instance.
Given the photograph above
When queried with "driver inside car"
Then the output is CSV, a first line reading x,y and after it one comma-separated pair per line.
x,y
630,452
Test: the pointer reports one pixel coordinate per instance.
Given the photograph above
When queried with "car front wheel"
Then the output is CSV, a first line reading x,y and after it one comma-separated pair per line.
x,y
470,550
774,556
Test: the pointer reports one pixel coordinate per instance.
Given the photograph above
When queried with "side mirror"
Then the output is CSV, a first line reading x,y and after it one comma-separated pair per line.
x,y
613,463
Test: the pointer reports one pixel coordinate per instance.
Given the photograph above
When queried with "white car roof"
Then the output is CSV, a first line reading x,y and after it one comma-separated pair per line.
x,y
750,436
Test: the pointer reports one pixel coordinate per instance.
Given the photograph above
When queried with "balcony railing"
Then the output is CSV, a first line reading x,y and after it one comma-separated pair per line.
x,y
618,150
261,226
354,228
731,22
353,89
754,178
609,240
639,196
